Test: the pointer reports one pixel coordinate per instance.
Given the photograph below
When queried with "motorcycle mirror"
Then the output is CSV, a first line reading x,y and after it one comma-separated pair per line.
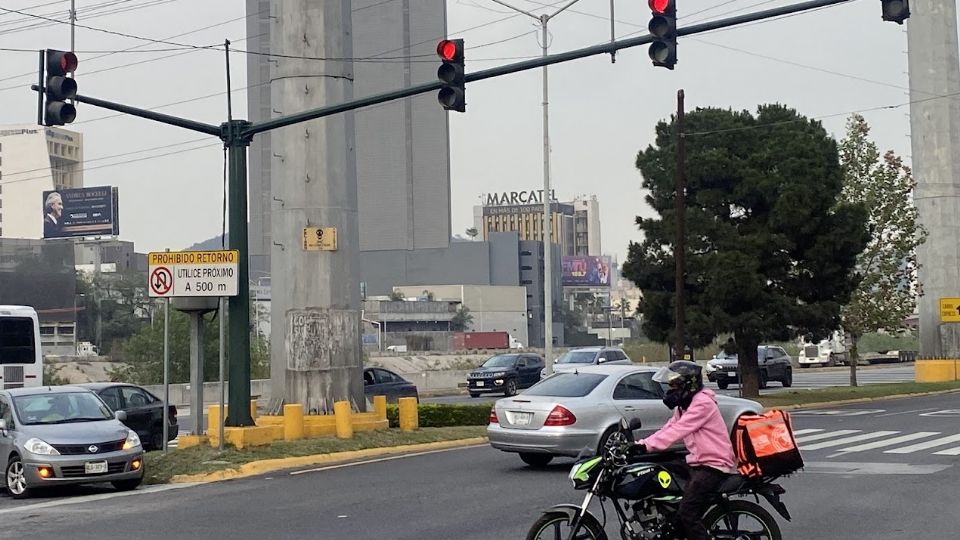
x,y
635,424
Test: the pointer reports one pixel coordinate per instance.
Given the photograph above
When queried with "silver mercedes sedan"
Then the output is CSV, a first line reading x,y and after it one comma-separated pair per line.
x,y
562,415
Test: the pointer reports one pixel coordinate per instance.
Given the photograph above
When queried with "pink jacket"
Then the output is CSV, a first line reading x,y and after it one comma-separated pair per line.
x,y
703,432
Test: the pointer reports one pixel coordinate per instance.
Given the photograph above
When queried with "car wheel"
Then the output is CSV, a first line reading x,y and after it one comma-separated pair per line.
x,y
511,388
474,395
788,379
723,385
156,440
16,480
763,379
536,461
127,485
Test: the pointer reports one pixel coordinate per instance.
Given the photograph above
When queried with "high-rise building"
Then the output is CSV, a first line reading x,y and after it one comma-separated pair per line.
x,y
575,225
34,159
402,147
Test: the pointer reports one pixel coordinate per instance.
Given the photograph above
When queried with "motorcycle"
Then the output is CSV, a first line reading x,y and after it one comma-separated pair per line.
x,y
646,490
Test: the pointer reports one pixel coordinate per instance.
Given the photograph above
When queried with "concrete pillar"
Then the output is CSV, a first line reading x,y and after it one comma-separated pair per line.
x,y
315,305
935,134
196,371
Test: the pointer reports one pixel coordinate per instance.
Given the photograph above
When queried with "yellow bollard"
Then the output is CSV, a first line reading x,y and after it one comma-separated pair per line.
x,y
292,422
253,410
409,416
341,410
213,419
380,406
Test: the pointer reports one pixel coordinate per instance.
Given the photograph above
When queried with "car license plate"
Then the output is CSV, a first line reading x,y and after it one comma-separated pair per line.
x,y
479,384
522,419
731,374
95,467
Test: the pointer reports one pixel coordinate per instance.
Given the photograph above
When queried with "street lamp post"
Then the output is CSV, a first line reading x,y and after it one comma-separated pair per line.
x,y
547,217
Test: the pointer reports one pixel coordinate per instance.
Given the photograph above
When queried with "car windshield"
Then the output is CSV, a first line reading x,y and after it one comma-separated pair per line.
x,y
60,408
566,385
577,357
501,361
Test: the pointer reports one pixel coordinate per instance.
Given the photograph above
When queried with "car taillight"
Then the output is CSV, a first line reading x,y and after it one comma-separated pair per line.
x,y
560,416
493,416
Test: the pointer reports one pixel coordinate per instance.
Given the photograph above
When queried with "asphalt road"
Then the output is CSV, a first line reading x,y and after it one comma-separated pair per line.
x,y
884,470
802,379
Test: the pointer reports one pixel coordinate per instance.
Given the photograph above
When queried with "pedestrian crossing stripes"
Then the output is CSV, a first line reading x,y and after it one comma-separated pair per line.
x,y
849,441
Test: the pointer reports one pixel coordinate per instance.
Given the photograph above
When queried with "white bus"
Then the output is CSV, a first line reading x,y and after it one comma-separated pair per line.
x,y
21,359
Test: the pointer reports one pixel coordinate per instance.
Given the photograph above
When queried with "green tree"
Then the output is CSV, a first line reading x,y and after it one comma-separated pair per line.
x,y
888,291
143,352
769,251
397,295
473,233
118,302
461,321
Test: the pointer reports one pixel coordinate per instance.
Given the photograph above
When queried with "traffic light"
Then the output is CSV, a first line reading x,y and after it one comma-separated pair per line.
x,y
895,10
663,26
452,95
58,88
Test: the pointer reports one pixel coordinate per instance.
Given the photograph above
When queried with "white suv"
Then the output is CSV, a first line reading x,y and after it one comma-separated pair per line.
x,y
589,356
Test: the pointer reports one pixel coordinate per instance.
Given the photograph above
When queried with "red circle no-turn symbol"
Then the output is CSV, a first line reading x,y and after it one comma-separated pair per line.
x,y
161,280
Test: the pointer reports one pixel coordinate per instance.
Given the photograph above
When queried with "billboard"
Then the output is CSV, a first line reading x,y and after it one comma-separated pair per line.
x,y
586,271
80,212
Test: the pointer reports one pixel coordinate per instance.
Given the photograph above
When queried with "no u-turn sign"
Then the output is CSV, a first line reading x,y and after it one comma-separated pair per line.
x,y
193,273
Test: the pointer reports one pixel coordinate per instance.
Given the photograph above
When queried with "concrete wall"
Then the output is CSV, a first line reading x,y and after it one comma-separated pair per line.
x,y
461,262
23,148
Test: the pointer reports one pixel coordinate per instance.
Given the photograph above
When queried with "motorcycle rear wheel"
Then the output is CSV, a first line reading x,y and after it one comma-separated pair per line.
x,y
552,523
723,523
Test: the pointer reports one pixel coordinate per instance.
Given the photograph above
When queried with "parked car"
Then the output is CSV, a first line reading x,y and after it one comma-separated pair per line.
x,y
575,359
773,362
383,382
56,435
144,411
505,373
568,412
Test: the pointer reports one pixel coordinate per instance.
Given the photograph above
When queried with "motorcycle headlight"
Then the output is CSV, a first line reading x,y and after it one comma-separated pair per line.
x,y
40,447
133,440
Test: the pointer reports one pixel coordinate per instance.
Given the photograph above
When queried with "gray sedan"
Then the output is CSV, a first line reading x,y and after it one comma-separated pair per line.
x,y
562,415
64,435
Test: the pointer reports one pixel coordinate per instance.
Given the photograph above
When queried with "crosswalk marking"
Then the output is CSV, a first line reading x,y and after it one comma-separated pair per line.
x,y
942,441
827,435
798,432
848,440
948,452
890,442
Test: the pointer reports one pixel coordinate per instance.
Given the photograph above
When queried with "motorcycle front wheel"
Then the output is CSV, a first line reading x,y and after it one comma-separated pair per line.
x,y
552,525
741,519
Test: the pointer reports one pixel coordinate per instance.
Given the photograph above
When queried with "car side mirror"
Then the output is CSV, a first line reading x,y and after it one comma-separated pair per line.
x,y
601,360
3,426
120,415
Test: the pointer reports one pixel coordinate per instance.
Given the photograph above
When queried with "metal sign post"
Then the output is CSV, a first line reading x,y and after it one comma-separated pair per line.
x,y
166,373
223,330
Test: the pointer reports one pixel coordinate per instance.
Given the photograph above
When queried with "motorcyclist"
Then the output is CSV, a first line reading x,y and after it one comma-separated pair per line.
x,y
697,421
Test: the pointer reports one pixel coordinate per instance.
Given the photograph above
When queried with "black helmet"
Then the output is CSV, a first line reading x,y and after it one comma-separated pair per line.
x,y
682,373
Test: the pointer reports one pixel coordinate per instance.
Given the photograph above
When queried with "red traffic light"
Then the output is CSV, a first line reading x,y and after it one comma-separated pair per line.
x,y
59,63
68,62
448,50
660,6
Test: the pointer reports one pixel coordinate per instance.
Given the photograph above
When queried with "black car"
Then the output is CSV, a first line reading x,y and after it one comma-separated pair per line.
x,y
383,382
773,363
505,373
144,411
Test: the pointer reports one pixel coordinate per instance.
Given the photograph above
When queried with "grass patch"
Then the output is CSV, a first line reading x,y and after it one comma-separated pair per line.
x,y
161,468
820,395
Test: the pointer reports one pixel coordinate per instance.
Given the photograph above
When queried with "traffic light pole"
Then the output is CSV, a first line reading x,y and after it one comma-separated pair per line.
x,y
237,134
679,244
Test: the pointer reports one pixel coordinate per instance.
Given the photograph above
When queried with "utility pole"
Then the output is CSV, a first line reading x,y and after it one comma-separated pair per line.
x,y
547,199
679,247
73,24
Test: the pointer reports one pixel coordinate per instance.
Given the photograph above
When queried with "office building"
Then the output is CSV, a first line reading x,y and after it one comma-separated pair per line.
x,y
575,224
34,159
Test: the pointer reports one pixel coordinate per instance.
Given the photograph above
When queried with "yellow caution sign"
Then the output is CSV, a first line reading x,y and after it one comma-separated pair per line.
x,y
319,238
950,309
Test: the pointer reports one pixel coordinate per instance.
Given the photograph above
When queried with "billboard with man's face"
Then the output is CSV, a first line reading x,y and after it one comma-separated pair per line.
x,y
586,271
81,212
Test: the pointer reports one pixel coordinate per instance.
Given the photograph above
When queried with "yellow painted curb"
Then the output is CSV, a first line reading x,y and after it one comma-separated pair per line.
x,y
860,400
270,465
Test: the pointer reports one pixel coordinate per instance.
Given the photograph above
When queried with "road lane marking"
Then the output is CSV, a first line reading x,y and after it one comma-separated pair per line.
x,y
797,432
942,441
827,435
948,452
907,412
870,469
91,498
847,440
388,458
889,442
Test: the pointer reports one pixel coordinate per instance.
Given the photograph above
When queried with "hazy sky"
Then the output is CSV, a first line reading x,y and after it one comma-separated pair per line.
x,y
825,64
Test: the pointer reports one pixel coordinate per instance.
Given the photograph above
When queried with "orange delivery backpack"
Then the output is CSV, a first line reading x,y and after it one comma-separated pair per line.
x,y
765,446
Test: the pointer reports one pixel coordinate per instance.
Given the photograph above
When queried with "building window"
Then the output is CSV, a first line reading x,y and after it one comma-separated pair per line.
x,y
66,330
48,330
